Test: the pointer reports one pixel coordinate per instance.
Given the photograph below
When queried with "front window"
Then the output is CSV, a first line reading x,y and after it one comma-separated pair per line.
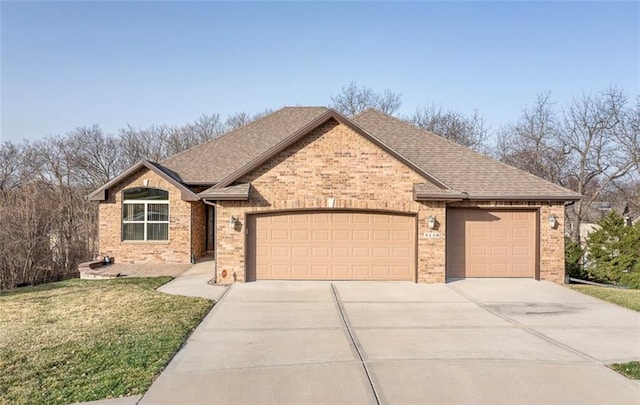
x,y
145,214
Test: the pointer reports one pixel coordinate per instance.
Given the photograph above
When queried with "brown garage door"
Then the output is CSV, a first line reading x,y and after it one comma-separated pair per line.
x,y
491,243
324,245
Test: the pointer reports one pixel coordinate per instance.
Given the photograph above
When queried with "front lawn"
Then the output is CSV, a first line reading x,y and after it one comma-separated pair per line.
x,y
625,298
82,340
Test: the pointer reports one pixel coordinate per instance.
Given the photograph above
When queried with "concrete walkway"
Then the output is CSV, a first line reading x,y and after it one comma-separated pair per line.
x,y
194,283
471,341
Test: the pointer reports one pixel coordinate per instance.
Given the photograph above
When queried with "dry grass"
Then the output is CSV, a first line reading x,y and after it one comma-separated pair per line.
x,y
80,340
625,298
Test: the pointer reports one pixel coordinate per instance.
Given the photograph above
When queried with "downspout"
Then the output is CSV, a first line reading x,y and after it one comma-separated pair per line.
x,y
215,251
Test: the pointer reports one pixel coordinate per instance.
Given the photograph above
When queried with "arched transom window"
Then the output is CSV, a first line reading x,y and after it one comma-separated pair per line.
x,y
145,214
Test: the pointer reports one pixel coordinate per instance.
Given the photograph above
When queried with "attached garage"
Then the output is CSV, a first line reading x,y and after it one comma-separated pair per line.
x,y
491,243
330,245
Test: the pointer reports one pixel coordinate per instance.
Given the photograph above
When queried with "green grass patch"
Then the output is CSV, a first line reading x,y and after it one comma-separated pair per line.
x,y
630,369
625,298
83,340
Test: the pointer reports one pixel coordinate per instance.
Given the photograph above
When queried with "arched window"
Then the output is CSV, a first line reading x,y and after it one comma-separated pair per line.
x,y
145,214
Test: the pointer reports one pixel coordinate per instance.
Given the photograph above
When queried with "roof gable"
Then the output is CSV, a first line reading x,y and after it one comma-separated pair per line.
x,y
209,162
186,194
461,168
307,129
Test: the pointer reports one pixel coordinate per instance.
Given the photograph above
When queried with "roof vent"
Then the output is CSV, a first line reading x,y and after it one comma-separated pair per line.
x,y
606,206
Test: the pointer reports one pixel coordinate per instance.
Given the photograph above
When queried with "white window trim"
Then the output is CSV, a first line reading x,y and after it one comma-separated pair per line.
x,y
145,221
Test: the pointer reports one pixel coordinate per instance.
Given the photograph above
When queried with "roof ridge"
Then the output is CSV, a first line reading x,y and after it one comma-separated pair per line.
x,y
226,134
366,110
457,145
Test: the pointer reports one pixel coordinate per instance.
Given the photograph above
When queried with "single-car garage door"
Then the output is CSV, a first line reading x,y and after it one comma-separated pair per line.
x,y
491,243
328,245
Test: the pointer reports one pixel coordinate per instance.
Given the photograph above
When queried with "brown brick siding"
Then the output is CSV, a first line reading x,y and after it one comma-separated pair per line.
x,y
176,250
331,162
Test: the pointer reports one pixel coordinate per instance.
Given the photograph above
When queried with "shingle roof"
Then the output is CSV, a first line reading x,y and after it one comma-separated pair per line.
x,y
429,192
460,168
235,192
449,169
211,161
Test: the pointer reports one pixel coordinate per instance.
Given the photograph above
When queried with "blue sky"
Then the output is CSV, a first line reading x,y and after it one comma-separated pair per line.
x,y
65,65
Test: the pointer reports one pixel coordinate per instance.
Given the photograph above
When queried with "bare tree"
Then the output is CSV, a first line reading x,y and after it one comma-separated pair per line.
x,y
149,143
588,148
96,156
354,99
470,131
11,165
535,143
206,127
240,119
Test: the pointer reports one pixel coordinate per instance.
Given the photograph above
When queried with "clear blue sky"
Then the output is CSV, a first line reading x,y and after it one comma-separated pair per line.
x,y
71,64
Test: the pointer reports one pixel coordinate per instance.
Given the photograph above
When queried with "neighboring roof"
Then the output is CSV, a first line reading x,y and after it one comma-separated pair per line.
x,y
461,168
186,194
599,209
235,192
211,161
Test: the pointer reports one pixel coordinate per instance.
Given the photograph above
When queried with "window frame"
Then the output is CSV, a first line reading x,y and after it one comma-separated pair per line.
x,y
145,220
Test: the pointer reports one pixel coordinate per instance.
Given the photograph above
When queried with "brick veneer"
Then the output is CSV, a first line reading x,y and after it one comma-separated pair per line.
x,y
331,162
335,162
176,250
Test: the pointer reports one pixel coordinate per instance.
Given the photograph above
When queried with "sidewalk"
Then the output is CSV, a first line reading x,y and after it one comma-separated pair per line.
x,y
194,283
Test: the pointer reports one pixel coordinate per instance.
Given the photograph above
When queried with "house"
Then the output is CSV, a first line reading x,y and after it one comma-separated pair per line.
x,y
593,214
632,218
308,194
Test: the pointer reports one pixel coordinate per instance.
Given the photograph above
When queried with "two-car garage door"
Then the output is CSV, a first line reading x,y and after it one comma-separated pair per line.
x,y
329,245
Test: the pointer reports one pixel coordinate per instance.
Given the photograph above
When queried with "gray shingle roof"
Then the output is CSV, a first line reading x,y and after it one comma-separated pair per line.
x,y
213,160
460,168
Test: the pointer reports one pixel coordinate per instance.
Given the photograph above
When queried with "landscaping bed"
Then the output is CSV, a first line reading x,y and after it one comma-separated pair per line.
x,y
80,340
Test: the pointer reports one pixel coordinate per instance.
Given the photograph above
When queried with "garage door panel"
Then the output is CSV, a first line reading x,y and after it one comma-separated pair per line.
x,y
332,246
299,235
401,236
491,243
401,253
340,235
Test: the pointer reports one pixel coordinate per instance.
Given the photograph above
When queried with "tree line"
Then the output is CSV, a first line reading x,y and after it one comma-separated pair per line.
x,y
47,227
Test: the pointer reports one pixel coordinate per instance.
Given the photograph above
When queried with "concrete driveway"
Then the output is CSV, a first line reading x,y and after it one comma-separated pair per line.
x,y
472,341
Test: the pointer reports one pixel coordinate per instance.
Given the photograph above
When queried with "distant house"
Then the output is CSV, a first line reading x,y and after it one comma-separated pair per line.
x,y
597,210
632,218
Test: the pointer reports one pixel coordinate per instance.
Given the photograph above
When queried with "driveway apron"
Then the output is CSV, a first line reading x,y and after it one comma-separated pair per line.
x,y
472,341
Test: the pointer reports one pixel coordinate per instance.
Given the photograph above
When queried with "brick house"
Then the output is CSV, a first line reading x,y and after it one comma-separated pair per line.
x,y
307,194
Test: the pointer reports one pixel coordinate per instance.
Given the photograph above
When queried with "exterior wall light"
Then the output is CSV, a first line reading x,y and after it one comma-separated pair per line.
x,y
553,221
431,222
233,222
